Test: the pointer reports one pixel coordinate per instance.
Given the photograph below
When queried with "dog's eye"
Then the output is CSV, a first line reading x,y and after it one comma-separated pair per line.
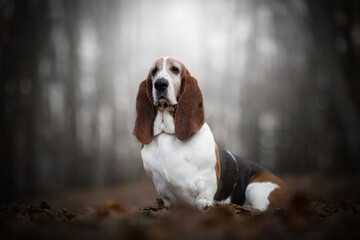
x,y
153,72
175,70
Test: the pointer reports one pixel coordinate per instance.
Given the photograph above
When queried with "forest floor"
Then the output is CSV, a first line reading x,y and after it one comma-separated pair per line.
x,y
322,207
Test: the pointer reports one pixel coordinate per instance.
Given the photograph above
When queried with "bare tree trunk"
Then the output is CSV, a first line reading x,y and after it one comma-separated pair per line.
x,y
248,130
71,9
329,60
21,48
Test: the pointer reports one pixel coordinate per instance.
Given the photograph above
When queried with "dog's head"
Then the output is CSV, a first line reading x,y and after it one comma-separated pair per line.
x,y
169,86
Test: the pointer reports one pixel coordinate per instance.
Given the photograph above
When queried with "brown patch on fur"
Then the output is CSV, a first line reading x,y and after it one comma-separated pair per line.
x,y
172,113
218,165
170,62
159,64
189,116
280,196
145,111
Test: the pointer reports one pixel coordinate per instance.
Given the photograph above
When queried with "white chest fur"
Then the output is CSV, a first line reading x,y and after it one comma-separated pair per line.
x,y
164,122
182,171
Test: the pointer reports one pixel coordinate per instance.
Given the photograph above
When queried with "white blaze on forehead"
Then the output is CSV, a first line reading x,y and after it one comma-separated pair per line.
x,y
164,63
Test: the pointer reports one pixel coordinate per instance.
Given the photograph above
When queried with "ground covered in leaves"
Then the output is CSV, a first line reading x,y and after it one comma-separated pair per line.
x,y
322,207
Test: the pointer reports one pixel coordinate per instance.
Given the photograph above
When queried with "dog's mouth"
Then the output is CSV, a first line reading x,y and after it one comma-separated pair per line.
x,y
163,103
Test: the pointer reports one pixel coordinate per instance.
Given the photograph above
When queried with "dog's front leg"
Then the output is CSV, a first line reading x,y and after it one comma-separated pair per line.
x,y
206,192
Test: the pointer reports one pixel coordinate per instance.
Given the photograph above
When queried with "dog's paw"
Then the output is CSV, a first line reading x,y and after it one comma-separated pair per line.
x,y
203,203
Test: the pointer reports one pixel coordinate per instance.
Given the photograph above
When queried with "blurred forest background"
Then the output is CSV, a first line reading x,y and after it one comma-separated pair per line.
x,y
280,81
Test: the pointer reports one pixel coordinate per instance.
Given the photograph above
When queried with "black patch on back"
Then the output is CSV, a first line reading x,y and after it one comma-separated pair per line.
x,y
247,171
235,177
228,176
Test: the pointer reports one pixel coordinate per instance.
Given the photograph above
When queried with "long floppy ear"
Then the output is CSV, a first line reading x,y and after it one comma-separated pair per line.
x,y
145,113
189,116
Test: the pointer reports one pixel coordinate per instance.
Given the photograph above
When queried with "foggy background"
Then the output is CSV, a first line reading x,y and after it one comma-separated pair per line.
x,y
280,82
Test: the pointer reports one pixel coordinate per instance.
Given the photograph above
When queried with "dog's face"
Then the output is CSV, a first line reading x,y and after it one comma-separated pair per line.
x,y
166,74
169,86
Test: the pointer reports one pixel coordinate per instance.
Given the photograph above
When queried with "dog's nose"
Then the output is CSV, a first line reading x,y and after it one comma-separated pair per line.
x,y
161,84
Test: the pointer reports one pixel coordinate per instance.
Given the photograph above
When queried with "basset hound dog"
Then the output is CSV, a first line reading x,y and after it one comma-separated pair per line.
x,y
179,152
